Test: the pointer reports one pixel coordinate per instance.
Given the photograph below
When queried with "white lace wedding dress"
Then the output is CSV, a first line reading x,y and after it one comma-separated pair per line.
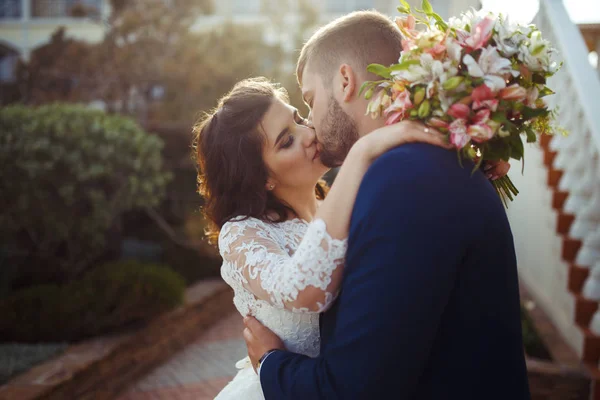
x,y
268,265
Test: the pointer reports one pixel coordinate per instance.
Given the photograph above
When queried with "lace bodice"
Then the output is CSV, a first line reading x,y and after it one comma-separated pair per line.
x,y
281,273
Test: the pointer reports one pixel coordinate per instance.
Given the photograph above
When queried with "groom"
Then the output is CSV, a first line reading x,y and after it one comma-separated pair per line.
x,y
429,306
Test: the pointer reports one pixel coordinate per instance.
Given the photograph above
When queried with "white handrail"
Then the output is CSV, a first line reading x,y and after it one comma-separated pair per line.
x,y
572,50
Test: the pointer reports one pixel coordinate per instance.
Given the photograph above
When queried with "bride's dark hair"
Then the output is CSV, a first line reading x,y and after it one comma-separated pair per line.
x,y
228,150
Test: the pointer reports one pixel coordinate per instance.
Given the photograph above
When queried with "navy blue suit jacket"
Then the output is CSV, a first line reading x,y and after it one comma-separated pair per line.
x,y
429,307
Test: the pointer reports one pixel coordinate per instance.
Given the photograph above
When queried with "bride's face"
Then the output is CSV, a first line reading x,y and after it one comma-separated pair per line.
x,y
290,150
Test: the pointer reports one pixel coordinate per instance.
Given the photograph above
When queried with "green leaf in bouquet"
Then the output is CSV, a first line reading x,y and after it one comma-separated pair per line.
x,y
405,7
529,113
516,146
499,116
426,6
497,149
546,91
403,65
380,70
459,156
439,21
478,163
531,136
405,4
364,86
538,78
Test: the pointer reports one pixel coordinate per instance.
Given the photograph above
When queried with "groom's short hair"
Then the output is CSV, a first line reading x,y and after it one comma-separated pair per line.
x,y
359,38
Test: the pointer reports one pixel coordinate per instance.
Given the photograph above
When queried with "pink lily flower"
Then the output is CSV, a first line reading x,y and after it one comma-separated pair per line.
x,y
478,37
480,132
482,116
436,122
458,133
394,117
459,111
513,92
484,97
402,102
407,25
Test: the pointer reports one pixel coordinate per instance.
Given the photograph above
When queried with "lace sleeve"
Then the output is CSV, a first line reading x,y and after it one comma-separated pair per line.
x,y
302,282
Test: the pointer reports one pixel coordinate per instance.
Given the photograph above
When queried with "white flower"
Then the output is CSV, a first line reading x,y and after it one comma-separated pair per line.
x,y
509,36
454,50
491,67
430,71
536,54
471,17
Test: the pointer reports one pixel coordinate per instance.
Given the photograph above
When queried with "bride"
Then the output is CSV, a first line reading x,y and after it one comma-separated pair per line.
x,y
282,240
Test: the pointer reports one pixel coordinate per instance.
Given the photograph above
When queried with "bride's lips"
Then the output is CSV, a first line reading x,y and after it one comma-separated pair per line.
x,y
316,155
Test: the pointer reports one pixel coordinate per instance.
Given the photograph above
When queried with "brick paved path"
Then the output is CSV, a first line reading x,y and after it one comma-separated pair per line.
x,y
200,371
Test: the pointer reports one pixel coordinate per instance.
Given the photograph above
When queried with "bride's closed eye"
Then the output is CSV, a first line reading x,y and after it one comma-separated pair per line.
x,y
288,142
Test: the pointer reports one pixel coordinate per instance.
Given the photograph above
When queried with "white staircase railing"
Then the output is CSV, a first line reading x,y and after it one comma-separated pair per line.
x,y
533,220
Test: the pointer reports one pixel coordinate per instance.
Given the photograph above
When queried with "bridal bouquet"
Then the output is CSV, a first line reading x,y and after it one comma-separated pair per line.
x,y
478,78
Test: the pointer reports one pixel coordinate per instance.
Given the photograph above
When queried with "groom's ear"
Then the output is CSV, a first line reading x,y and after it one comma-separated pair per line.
x,y
348,82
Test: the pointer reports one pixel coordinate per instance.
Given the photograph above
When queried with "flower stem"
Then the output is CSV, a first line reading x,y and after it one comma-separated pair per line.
x,y
505,189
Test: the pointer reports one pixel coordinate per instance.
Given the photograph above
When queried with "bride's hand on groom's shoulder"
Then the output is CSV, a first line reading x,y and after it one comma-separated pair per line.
x,y
386,138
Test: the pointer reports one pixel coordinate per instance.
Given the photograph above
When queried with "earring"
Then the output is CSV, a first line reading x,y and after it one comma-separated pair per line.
x,y
271,186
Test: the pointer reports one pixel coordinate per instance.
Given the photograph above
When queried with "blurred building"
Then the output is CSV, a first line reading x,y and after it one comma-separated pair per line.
x,y
27,24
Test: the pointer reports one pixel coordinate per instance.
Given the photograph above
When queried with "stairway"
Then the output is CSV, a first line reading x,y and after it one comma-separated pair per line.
x,y
556,217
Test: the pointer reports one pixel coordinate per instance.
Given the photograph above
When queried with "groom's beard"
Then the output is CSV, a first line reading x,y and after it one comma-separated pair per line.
x,y
339,134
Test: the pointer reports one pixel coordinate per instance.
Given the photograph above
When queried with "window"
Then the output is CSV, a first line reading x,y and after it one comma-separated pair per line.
x,y
8,66
246,7
65,8
10,8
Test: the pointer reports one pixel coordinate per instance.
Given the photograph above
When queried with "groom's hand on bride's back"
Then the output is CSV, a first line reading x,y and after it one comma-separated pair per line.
x,y
259,340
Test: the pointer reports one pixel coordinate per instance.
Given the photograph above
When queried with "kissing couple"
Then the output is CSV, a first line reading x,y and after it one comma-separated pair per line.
x,y
397,282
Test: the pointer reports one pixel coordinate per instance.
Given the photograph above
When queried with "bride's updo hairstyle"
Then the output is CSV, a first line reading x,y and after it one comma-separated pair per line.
x,y
228,146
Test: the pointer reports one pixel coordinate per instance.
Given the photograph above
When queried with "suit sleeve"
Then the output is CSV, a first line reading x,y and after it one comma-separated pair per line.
x,y
404,248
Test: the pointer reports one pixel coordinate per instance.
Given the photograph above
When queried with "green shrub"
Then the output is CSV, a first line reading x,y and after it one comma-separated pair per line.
x,y
533,343
190,264
107,298
68,173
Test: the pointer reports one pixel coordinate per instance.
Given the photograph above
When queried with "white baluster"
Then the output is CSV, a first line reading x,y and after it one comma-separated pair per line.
x,y
572,173
590,250
588,220
595,323
591,287
568,147
583,187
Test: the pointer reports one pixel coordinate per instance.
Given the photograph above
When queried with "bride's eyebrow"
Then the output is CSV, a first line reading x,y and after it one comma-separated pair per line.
x,y
286,130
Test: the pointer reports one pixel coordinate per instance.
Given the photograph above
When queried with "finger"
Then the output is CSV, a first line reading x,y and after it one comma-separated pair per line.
x,y
248,336
254,326
437,138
